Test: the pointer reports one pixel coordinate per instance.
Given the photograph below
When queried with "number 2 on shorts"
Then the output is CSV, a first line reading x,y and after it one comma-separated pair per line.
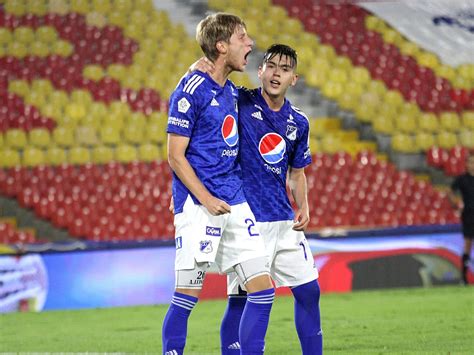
x,y
250,224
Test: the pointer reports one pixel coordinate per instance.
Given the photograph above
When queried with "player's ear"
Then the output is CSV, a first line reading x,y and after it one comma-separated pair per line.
x,y
221,47
260,71
294,80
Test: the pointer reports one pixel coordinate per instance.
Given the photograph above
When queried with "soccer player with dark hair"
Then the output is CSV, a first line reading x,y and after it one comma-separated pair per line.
x,y
213,221
465,185
274,145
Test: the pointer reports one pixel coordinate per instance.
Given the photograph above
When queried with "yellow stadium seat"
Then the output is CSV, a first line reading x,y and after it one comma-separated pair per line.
x,y
125,153
383,124
101,6
424,141
33,157
377,86
63,48
2,143
133,133
42,86
394,98
5,36
466,138
63,137
446,139
429,60
60,7
314,145
468,119
58,98
134,31
39,49
117,71
17,49
90,121
450,121
39,137
93,72
67,121
155,133
428,122
148,152
323,125
82,97
332,90
330,144
36,7
79,155
24,35
56,156
110,135
51,110
406,124
137,118
338,75
19,87
98,110
446,71
15,7
9,158
403,143
75,110
124,6
87,136
409,48
115,121
46,34
80,6
102,154
360,75
117,18
15,138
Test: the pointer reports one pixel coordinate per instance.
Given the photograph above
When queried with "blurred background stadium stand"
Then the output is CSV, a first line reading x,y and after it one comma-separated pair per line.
x,y
84,89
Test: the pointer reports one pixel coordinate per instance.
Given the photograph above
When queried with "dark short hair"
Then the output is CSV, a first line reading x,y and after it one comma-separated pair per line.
x,y
281,50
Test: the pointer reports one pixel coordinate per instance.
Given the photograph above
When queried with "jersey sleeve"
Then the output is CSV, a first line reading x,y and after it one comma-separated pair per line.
x,y
183,110
302,153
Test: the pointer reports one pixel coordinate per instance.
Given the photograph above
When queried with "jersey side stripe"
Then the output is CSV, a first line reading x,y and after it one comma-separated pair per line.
x,y
190,82
195,85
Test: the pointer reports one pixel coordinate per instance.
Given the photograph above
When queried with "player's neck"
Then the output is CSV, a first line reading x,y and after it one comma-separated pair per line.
x,y
221,72
275,103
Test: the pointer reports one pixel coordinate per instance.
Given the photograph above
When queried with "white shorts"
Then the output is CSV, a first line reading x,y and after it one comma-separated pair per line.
x,y
227,239
291,260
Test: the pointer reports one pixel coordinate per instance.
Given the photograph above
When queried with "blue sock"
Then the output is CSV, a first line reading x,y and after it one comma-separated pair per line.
x,y
230,325
175,325
254,321
307,318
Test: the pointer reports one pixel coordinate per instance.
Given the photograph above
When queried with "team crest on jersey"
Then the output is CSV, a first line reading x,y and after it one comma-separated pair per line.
x,y
183,105
291,132
205,246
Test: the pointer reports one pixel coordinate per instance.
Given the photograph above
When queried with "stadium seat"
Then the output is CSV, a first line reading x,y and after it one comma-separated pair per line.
x,y
466,138
55,156
110,135
33,156
446,140
39,137
15,138
403,143
86,136
63,137
428,122
125,153
9,158
468,119
424,141
450,121
102,154
79,156
148,152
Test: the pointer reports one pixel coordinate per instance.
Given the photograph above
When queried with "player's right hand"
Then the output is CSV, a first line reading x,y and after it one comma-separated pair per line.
x,y
203,64
216,206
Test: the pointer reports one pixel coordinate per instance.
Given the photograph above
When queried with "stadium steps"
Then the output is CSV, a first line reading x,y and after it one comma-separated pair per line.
x,y
25,218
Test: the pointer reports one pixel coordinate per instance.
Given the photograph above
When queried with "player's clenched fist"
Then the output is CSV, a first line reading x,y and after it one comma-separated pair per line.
x,y
216,206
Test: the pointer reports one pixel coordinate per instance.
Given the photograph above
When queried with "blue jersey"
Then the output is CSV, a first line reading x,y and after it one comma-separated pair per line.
x,y
207,113
271,142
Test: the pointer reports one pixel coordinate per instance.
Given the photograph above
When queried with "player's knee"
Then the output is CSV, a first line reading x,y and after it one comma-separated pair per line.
x,y
190,282
254,274
308,292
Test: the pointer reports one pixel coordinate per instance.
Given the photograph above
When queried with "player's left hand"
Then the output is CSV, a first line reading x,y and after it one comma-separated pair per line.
x,y
203,64
301,220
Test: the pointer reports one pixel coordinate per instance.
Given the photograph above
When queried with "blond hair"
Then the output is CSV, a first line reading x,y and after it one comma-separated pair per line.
x,y
215,28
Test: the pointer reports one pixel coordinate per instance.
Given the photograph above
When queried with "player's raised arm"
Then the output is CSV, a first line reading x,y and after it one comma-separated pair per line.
x,y
176,157
299,190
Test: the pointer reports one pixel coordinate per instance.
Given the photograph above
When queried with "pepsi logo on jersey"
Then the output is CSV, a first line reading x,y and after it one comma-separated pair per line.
x,y
272,148
229,130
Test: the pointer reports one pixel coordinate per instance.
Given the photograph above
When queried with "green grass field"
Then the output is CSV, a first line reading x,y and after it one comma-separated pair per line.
x,y
409,321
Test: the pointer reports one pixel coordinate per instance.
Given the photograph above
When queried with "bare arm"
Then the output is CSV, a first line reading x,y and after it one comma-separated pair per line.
x,y
299,190
179,163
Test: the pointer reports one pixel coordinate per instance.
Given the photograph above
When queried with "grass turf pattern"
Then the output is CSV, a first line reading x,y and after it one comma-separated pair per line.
x,y
437,320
